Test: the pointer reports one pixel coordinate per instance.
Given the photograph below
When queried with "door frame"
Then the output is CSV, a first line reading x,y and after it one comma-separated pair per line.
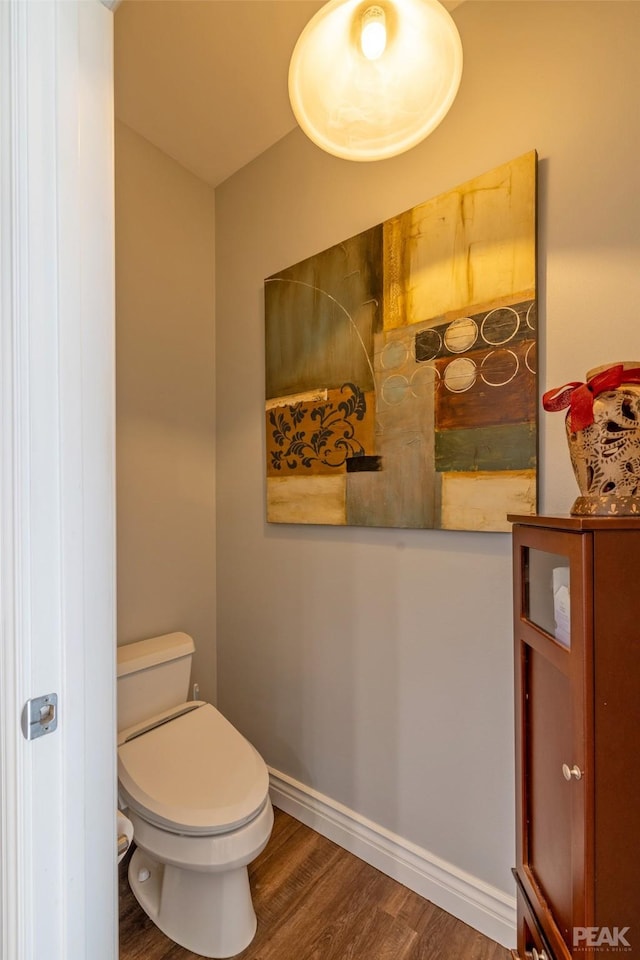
x,y
58,889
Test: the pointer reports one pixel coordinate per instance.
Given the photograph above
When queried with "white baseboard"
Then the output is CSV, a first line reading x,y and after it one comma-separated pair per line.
x,y
482,906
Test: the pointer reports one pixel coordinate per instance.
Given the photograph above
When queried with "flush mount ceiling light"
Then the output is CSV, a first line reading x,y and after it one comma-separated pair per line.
x,y
371,80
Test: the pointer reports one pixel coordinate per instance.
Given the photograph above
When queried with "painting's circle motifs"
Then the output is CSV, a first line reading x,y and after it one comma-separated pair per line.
x,y
500,325
428,344
423,381
532,316
394,354
461,335
499,368
394,389
460,375
530,358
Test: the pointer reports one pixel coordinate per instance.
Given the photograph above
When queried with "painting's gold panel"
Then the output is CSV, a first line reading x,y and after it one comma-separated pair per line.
x,y
467,247
307,500
481,501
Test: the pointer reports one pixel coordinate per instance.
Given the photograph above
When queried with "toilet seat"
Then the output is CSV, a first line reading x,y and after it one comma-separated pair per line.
x,y
193,775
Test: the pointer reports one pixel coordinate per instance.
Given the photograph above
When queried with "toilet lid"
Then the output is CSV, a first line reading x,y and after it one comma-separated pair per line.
x,y
194,775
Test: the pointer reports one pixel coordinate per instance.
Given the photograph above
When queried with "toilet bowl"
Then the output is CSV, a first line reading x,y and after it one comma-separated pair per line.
x,y
196,792
124,835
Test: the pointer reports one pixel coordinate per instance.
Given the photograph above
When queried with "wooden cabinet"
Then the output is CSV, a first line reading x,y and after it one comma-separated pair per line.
x,y
577,675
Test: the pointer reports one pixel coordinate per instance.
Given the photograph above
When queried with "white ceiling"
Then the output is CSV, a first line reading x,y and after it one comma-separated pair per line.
x,y
206,80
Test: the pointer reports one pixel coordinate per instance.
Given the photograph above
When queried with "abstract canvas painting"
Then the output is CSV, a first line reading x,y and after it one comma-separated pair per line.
x,y
401,375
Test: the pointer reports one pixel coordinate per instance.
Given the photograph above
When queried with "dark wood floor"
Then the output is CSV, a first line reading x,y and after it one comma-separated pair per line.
x,y
315,901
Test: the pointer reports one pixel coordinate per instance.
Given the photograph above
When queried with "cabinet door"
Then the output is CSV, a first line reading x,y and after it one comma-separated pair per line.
x,y
553,630
532,944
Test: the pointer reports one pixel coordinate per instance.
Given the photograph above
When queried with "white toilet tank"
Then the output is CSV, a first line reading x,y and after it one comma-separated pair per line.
x,y
153,675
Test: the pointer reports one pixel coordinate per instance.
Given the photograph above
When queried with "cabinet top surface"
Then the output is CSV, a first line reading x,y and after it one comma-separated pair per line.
x,y
567,522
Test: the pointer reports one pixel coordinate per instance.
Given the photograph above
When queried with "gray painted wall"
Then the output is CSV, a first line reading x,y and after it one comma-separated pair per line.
x,y
376,665
165,401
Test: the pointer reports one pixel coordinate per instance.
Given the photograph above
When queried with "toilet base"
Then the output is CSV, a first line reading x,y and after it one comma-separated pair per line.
x,y
210,914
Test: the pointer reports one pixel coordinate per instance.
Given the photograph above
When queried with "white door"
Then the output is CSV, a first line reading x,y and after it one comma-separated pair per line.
x,y
57,793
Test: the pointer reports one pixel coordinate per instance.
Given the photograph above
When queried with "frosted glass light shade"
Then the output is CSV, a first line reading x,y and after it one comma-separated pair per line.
x,y
362,109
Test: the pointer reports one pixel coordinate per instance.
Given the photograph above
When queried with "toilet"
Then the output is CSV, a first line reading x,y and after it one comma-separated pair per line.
x,y
197,794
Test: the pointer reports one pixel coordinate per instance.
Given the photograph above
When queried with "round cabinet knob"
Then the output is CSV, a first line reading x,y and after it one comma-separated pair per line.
x,y
569,772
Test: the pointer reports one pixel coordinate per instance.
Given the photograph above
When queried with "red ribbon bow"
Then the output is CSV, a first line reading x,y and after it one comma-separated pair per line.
x,y
580,396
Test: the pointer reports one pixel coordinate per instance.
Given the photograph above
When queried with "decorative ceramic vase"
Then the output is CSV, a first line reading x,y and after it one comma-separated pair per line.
x,y
603,432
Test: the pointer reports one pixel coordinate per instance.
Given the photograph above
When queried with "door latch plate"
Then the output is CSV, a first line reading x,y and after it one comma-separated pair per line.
x,y
40,716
